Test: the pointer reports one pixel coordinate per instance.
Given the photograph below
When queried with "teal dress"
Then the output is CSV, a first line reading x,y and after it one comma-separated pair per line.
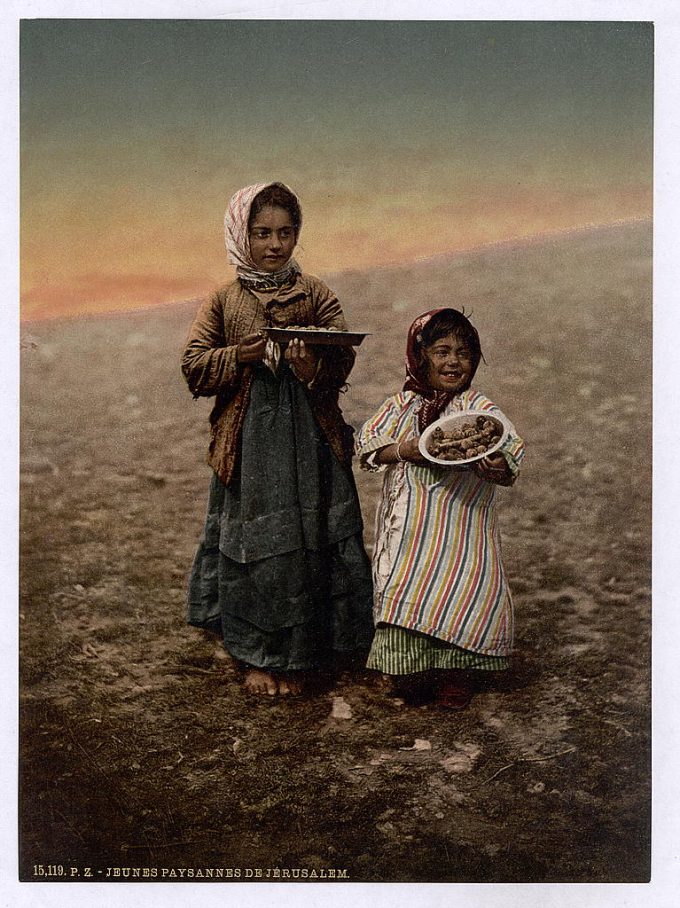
x,y
281,571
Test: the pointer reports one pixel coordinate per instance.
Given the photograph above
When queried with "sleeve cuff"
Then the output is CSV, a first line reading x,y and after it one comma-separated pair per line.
x,y
368,450
513,451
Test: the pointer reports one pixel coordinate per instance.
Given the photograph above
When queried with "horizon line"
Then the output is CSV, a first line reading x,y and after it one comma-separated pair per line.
x,y
517,240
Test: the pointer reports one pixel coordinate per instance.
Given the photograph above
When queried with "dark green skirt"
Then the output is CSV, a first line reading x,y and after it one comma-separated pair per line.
x,y
281,571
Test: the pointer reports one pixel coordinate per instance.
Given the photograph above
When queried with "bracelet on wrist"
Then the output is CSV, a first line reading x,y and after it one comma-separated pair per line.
x,y
400,459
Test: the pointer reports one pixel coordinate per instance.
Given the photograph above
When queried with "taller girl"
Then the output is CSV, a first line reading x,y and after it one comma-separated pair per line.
x,y
280,570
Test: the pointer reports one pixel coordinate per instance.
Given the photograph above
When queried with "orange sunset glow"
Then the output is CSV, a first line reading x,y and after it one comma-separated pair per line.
x,y
403,140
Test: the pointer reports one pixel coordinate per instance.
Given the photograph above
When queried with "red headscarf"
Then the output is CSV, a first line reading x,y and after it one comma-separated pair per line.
x,y
434,402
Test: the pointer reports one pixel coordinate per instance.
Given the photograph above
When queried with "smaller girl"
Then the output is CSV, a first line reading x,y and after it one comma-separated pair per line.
x,y
442,605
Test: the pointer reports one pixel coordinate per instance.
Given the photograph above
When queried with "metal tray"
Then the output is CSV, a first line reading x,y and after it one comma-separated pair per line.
x,y
312,336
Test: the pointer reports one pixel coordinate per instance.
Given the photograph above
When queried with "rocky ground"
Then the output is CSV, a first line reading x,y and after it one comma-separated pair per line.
x,y
138,747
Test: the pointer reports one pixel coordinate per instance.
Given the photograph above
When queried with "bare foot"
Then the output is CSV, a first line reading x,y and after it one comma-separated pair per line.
x,y
290,686
257,681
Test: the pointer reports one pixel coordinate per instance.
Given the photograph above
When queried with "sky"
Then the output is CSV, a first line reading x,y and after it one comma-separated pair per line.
x,y
402,139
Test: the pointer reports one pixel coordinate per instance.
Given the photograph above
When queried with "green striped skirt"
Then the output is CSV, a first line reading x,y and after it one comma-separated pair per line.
x,y
398,651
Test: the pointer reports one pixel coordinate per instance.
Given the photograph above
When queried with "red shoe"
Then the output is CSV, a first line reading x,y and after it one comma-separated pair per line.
x,y
454,694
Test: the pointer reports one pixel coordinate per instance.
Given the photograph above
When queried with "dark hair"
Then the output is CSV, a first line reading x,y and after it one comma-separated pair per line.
x,y
450,321
279,196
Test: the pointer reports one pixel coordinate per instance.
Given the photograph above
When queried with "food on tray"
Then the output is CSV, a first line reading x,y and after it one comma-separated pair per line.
x,y
314,334
468,438
309,328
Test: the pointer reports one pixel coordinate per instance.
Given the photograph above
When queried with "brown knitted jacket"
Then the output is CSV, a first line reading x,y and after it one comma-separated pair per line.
x,y
210,367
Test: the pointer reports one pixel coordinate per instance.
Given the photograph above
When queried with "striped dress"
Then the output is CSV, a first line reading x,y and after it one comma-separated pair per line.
x,y
437,567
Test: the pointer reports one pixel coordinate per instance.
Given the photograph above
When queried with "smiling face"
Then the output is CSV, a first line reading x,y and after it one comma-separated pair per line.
x,y
272,238
449,364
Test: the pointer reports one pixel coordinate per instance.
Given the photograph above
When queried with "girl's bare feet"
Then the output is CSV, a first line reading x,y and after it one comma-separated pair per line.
x,y
290,685
266,683
258,681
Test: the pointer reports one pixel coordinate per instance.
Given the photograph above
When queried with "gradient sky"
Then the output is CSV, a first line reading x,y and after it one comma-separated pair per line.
x,y
403,140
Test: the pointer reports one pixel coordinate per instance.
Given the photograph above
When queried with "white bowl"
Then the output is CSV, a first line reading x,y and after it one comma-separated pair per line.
x,y
447,422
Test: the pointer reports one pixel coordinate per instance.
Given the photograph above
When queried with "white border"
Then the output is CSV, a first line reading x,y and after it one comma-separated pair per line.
x,y
665,886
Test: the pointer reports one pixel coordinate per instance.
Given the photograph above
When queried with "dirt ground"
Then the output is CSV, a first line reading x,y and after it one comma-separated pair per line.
x,y
138,747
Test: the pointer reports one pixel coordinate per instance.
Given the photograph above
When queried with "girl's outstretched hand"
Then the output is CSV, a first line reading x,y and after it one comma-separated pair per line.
x,y
251,348
494,468
303,360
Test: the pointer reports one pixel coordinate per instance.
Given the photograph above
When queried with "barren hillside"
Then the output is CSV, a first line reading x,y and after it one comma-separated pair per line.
x,y
139,750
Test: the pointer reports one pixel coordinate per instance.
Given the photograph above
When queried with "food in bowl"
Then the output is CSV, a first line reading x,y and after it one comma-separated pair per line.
x,y
468,438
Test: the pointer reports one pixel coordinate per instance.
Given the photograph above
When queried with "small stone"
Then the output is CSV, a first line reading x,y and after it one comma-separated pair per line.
x,y
462,760
536,788
341,709
419,744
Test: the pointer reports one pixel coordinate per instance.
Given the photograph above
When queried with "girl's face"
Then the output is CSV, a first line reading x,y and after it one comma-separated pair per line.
x,y
272,238
449,364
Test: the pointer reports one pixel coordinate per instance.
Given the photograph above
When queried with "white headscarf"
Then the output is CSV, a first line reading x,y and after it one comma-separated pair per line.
x,y
238,244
